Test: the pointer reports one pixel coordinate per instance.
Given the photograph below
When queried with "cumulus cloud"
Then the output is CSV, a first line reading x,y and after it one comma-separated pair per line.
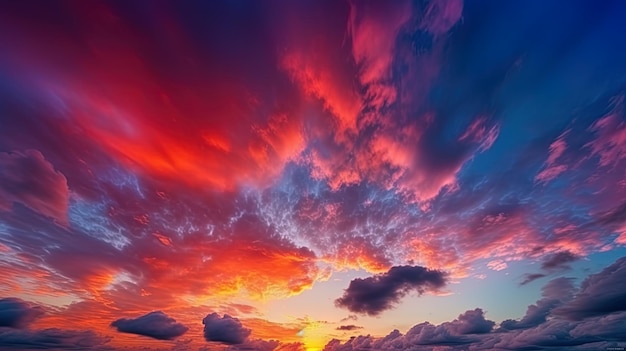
x,y
555,334
17,313
472,322
378,293
554,294
155,324
26,177
557,321
226,329
599,294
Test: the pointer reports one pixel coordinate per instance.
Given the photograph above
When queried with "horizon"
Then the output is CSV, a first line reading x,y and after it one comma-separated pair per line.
x,y
332,175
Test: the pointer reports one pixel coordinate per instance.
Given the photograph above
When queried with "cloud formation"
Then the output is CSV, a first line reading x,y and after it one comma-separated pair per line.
x,y
472,322
557,321
27,178
246,150
226,329
554,294
17,313
53,339
348,327
155,324
559,261
599,294
378,293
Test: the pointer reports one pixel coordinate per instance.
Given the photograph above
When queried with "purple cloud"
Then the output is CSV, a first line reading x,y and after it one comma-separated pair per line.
x,y
378,293
553,294
472,322
599,294
17,313
225,329
543,326
349,327
53,339
155,324
29,179
528,278
559,261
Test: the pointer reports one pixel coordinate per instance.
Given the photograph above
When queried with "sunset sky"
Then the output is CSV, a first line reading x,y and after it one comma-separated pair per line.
x,y
308,175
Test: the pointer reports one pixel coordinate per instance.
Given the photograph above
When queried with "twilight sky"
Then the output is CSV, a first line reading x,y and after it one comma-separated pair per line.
x,y
308,175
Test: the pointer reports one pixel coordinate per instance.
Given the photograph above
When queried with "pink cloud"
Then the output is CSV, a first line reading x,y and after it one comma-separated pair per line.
x,y
610,142
497,265
552,169
374,27
441,15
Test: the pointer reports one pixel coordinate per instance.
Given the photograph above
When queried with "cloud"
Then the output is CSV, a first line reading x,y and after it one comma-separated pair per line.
x,y
441,15
531,277
154,324
497,265
609,144
472,322
429,334
559,261
349,327
26,177
224,329
554,262
374,28
599,294
53,339
378,293
543,326
551,168
554,294
17,313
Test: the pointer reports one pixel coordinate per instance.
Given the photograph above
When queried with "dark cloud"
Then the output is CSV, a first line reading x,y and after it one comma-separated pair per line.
x,y
528,278
552,263
154,324
378,293
26,177
554,294
429,334
543,327
349,327
16,313
52,339
599,294
225,329
472,322
559,261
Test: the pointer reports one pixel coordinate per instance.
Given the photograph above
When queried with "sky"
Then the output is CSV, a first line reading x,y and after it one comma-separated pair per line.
x,y
312,175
